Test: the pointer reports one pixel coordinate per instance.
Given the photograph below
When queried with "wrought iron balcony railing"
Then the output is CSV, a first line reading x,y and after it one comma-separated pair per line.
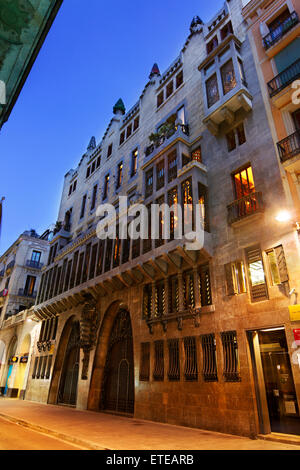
x,y
277,33
284,78
184,129
34,264
289,147
245,206
25,293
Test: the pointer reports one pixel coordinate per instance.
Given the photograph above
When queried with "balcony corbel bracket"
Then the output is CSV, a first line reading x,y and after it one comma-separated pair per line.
x,y
227,115
245,103
212,127
164,324
179,323
150,327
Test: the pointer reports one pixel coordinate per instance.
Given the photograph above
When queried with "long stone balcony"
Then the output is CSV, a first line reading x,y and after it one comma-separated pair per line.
x,y
101,267
245,208
280,90
34,264
289,151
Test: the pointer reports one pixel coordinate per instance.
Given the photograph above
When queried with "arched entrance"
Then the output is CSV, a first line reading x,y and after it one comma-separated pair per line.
x,y
67,392
118,379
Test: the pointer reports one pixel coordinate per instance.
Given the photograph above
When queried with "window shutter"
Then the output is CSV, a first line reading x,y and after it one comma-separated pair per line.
x,y
281,263
229,279
258,291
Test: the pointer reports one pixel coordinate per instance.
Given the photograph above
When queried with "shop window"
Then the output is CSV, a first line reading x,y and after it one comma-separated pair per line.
x,y
209,370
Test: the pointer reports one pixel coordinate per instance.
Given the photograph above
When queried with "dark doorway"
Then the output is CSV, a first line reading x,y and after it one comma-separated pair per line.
x,y
67,393
118,381
273,355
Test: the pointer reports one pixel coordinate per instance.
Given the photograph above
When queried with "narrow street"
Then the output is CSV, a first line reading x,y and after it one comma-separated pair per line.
x,y
101,431
16,437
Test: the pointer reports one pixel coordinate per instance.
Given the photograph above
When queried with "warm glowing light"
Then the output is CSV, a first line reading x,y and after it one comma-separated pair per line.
x,y
283,216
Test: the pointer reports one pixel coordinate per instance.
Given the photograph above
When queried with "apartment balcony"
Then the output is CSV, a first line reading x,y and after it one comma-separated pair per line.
x,y
34,264
178,131
279,87
245,209
25,293
281,36
289,151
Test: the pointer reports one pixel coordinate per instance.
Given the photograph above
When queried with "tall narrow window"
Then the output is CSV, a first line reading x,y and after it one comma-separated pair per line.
x,y
149,182
188,289
212,90
85,271
172,201
205,285
36,256
94,197
187,202
158,372
174,363
119,175
230,356
117,249
29,286
79,270
108,254
147,243
160,99
172,166
190,356
160,299
258,285
134,162
169,89
147,301
129,131
244,182
109,150
160,175
203,206
99,267
93,261
105,190
179,79
136,123
173,294
209,371
122,137
235,278
228,77
160,241
145,362
83,206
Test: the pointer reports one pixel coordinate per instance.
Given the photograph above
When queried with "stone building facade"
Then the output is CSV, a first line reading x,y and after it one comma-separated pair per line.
x,y
153,328
20,273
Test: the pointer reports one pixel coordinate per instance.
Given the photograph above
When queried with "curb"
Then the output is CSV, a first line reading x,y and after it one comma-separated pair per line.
x,y
64,437
282,438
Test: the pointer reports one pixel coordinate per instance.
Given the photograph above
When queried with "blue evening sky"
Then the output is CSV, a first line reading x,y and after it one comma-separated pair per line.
x,y
95,53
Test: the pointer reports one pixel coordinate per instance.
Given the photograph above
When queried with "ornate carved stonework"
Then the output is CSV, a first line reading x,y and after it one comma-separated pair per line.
x,y
89,324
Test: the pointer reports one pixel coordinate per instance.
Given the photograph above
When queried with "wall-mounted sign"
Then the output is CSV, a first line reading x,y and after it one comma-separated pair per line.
x,y
297,335
294,312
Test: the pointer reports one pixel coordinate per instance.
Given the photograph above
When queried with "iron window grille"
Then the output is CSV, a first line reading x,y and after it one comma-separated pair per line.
x,y
230,357
209,371
158,372
190,363
174,363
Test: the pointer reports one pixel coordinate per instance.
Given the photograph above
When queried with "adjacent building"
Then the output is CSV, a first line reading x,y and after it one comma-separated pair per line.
x,y
20,273
152,328
24,26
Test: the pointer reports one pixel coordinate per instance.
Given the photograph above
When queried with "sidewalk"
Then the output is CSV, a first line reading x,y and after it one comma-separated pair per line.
x,y
108,432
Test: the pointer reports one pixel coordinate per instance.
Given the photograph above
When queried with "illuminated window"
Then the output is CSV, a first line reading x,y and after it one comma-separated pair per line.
x,y
277,265
235,278
134,161
119,175
243,182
